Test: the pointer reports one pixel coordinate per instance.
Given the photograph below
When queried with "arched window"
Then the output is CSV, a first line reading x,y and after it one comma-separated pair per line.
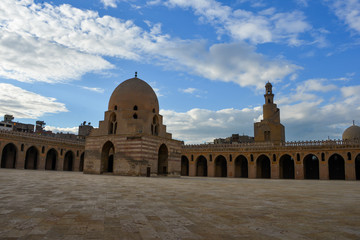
x,y
349,155
43,149
135,116
115,108
155,126
112,124
135,108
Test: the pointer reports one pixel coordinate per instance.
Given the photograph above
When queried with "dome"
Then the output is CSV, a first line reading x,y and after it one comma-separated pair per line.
x,y
134,93
351,133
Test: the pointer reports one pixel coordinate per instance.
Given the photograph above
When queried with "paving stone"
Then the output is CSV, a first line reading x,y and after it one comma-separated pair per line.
x,y
71,205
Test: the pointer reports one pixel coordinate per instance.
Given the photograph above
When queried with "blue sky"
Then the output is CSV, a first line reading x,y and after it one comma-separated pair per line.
x,y
207,60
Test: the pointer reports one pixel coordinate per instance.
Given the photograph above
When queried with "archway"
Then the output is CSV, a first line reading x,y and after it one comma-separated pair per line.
x,y
107,158
68,161
241,167
263,167
8,158
81,165
287,167
51,159
201,166
336,167
220,166
311,167
357,167
31,158
184,166
163,160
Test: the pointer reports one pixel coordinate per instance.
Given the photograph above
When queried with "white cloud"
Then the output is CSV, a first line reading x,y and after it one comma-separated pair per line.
x,y
307,91
25,104
348,11
203,125
61,43
73,130
265,26
93,89
188,90
109,3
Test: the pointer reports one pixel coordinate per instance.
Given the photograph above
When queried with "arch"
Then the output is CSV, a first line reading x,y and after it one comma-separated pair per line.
x,y
8,158
68,161
220,166
201,166
336,166
184,166
112,123
107,157
287,167
263,169
311,167
81,165
31,159
241,166
163,160
51,159
357,167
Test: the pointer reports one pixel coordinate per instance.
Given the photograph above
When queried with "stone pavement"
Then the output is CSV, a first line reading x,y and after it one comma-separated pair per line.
x,y
70,205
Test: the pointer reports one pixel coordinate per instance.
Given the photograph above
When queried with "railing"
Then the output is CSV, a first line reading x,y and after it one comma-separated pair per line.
x,y
269,145
42,137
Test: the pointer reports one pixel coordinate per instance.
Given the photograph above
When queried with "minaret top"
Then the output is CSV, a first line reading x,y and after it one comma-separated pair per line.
x,y
268,88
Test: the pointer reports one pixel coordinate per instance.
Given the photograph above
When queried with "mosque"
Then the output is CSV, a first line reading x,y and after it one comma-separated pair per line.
x,y
132,140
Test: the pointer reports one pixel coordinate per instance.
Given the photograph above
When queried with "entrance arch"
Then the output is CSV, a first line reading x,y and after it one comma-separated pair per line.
x,y
31,159
163,160
220,166
263,167
336,167
184,166
8,158
287,167
51,159
241,167
201,166
107,157
357,167
311,167
81,165
68,161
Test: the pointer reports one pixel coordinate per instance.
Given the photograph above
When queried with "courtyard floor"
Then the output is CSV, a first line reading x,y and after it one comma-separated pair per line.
x,y
72,205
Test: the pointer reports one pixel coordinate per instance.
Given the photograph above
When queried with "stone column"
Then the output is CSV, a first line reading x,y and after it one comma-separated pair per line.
x,y
323,170
211,168
350,173
252,169
274,169
299,170
192,167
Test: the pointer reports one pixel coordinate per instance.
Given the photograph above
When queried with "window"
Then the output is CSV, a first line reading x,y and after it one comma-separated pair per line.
x,y
115,108
135,116
135,108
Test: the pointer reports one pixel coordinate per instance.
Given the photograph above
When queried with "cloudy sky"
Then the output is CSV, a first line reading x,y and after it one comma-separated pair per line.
x,y
207,60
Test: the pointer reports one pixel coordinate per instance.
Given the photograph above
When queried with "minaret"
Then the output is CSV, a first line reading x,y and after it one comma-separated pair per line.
x,y
269,129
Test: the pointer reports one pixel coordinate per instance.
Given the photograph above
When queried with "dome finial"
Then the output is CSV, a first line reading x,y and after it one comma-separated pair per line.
x,y
136,74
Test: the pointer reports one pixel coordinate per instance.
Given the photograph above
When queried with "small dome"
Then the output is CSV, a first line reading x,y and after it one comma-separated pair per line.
x,y
134,93
351,133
